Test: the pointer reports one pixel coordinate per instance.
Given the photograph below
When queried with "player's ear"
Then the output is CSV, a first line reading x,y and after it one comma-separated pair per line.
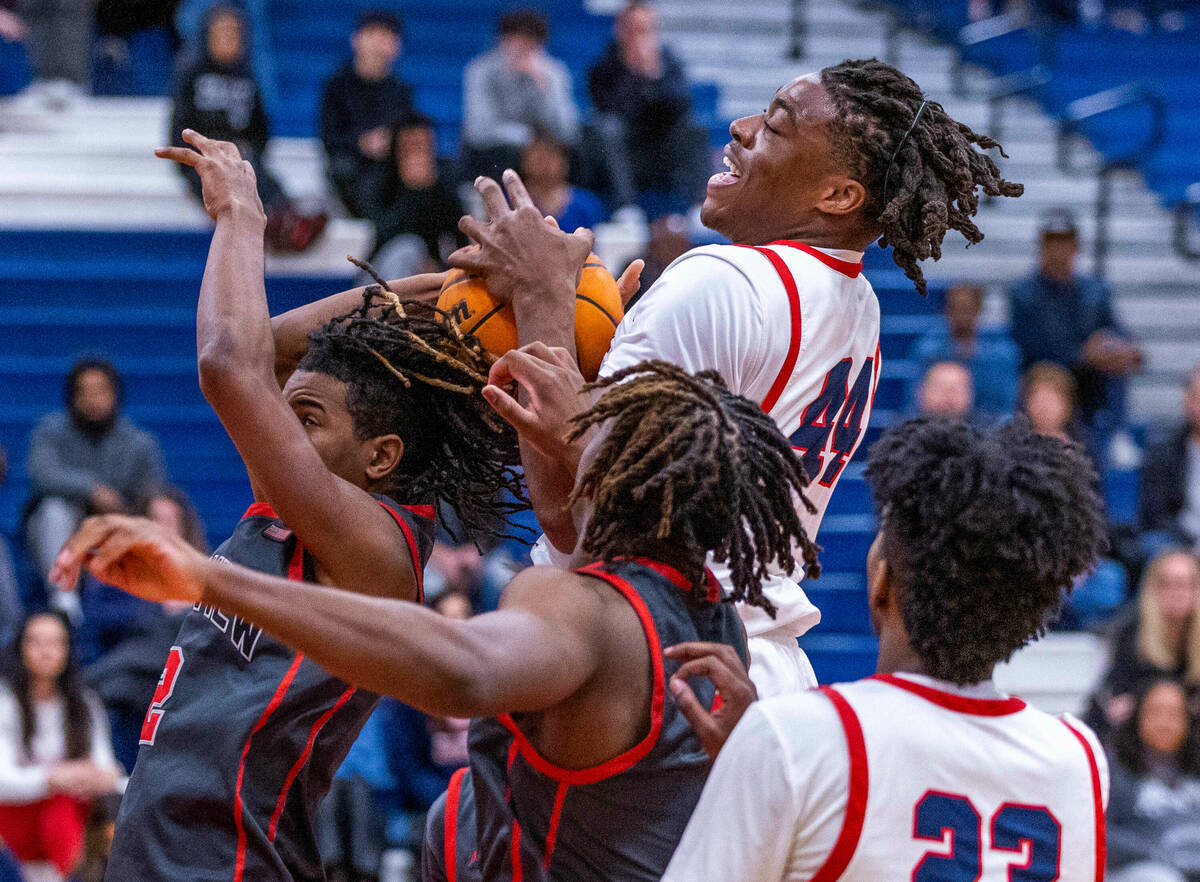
x,y
384,455
879,585
842,195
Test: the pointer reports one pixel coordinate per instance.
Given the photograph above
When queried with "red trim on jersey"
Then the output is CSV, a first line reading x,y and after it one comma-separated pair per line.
x,y
980,707
793,295
678,579
560,797
423,511
845,267
1097,797
260,510
450,824
239,866
518,872
299,764
296,564
856,799
413,551
624,761
875,378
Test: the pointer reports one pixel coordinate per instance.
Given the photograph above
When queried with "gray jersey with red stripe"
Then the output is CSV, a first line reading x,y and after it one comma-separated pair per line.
x,y
516,816
243,737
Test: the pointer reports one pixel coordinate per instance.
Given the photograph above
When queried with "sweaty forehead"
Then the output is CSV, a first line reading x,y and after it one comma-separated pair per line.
x,y
808,97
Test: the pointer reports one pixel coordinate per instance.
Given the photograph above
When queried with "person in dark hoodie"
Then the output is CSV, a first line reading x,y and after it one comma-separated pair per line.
x,y
359,107
87,459
417,205
218,96
644,114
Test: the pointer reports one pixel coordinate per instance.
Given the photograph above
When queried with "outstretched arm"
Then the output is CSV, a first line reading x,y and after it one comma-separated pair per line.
x,y
291,329
352,538
533,652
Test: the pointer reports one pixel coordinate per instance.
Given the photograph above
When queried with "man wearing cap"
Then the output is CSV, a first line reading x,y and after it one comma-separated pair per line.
x,y
1067,318
360,104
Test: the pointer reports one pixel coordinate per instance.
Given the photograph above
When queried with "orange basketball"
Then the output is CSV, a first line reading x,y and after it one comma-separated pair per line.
x,y
597,313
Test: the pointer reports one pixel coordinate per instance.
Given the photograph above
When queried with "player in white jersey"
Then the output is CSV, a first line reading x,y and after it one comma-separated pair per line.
x,y
925,771
841,158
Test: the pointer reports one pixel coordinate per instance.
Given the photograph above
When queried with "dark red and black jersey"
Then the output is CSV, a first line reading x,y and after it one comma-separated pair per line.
x,y
514,816
244,734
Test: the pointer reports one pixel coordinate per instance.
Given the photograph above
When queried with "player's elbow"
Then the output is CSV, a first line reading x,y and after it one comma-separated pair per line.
x,y
224,366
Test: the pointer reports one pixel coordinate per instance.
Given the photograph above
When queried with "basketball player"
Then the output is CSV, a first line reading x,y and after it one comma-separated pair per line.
x,y
925,771
580,767
244,734
839,159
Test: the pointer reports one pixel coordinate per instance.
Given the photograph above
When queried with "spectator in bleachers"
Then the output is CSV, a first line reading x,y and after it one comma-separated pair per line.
x,y
544,166
1169,507
360,105
990,354
416,223
946,390
58,38
1157,637
55,755
219,97
1153,818
87,459
11,612
513,91
190,22
110,615
1049,397
643,105
1065,318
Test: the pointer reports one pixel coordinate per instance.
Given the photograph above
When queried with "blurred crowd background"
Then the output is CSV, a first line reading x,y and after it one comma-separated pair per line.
x,y
366,124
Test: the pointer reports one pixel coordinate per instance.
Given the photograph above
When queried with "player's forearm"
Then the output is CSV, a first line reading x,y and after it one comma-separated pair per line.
x,y
546,316
233,330
291,329
387,646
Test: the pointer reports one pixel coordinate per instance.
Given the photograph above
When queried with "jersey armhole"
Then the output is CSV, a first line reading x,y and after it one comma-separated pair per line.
x,y
414,552
857,792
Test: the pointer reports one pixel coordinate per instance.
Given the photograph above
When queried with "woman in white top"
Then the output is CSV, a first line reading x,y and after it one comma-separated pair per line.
x,y
55,751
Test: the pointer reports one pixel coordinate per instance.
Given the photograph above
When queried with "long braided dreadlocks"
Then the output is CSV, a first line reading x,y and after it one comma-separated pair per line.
x,y
934,167
410,370
686,461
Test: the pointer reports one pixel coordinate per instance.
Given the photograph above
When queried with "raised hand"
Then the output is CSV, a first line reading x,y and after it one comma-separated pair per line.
x,y
517,251
230,187
724,668
136,555
553,389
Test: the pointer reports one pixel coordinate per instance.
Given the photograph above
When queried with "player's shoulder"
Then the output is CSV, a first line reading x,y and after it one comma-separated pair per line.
x,y
729,261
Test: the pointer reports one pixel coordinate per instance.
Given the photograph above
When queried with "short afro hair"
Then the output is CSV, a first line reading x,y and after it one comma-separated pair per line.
x,y
984,533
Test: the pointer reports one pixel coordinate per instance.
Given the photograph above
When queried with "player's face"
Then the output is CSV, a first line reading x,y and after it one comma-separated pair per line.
x,y
44,647
777,161
319,402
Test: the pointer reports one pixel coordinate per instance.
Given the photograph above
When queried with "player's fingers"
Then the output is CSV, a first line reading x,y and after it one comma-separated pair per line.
x,y
473,229
469,259
493,197
104,557
731,680
71,558
182,155
509,409
518,196
631,281
698,717
200,142
585,235
551,221
518,366
700,649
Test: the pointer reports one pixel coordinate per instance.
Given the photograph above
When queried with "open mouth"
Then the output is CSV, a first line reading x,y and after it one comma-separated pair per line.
x,y
730,176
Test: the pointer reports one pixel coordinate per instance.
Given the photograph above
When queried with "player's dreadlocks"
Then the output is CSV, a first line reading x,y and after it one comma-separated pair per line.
x,y
983,534
920,167
410,370
685,461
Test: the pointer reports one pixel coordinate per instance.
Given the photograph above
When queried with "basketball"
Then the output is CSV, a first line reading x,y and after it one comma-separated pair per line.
x,y
597,313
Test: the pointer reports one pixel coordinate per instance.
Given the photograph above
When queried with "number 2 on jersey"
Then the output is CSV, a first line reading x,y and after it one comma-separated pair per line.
x,y
1022,829
166,687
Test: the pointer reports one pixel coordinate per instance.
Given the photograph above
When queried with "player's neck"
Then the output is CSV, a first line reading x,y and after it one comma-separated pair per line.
x,y
818,235
896,656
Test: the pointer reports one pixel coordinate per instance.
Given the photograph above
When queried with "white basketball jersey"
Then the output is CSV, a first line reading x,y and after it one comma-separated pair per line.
x,y
790,326
945,787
